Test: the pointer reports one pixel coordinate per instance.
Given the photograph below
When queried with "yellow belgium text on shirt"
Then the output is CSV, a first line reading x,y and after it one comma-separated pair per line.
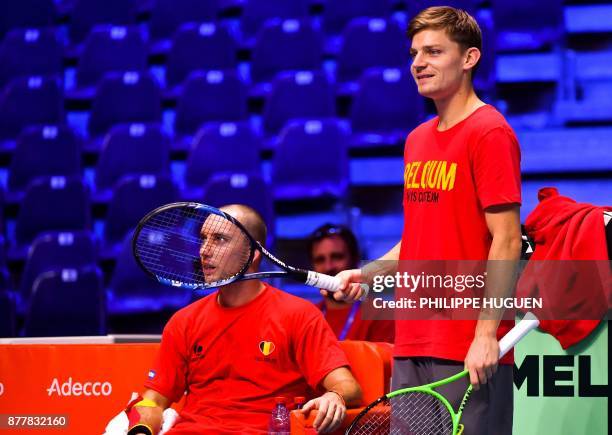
x,y
433,174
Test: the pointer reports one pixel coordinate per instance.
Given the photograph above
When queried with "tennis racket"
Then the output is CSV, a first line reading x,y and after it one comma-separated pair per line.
x,y
422,410
196,246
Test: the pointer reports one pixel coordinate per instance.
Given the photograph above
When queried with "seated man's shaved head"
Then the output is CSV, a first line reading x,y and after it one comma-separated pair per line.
x,y
250,219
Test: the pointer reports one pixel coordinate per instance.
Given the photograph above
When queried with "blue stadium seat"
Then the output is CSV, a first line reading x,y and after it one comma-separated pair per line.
x,y
51,203
108,49
225,5
386,107
123,98
210,96
168,15
131,149
302,94
2,214
518,27
5,279
7,315
56,250
284,45
248,189
132,291
29,101
67,302
484,78
30,52
370,42
215,149
311,160
199,46
88,13
133,197
256,12
43,151
338,13
26,14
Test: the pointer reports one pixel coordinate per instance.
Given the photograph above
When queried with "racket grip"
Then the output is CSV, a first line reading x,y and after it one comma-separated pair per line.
x,y
529,322
320,280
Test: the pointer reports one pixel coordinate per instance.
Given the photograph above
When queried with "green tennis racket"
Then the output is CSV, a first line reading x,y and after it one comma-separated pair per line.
x,y
422,410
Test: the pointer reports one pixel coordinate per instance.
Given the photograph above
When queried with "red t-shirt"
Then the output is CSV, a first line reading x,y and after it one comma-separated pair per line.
x,y
347,324
232,362
450,178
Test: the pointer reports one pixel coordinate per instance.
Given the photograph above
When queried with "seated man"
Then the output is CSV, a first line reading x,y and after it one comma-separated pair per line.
x,y
334,248
233,351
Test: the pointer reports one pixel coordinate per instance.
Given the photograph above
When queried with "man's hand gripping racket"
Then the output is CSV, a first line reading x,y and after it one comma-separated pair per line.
x,y
422,410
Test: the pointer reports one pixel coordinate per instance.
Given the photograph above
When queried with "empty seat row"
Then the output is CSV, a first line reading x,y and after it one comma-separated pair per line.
x,y
63,302
282,45
62,289
168,15
136,149
515,19
63,204
215,96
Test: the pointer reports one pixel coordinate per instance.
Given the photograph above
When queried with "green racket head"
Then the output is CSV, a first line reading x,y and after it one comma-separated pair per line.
x,y
416,412
412,411
423,411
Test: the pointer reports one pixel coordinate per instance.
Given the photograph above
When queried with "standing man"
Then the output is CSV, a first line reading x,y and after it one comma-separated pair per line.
x,y
333,248
462,195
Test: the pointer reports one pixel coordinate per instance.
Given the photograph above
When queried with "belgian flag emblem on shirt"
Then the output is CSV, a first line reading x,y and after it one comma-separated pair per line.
x,y
266,347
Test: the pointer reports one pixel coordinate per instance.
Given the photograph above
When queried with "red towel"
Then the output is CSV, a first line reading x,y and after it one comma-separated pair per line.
x,y
563,229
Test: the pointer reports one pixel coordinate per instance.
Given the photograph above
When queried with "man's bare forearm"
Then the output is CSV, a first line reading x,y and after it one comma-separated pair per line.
x,y
151,415
502,266
349,390
385,265
393,253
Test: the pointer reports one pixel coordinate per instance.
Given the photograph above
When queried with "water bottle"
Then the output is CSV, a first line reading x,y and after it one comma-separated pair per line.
x,y
299,402
279,420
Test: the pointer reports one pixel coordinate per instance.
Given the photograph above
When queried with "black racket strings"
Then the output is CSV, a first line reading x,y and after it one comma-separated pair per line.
x,y
168,245
224,246
413,413
171,245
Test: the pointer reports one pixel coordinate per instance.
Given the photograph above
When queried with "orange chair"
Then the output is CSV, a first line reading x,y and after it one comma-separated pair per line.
x,y
386,353
370,365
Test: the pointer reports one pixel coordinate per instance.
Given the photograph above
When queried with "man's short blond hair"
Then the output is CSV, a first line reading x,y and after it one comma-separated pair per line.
x,y
460,26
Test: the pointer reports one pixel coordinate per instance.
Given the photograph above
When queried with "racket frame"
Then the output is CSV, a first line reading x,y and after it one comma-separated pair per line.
x,y
288,271
526,324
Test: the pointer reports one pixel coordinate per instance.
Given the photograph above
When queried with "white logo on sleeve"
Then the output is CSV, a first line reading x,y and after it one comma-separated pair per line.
x,y
70,388
1,388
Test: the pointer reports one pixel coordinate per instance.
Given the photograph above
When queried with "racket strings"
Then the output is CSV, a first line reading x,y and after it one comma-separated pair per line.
x,y
193,246
414,413
224,247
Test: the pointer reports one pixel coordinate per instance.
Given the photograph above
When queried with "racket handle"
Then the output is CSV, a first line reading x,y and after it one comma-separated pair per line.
x,y
320,280
529,322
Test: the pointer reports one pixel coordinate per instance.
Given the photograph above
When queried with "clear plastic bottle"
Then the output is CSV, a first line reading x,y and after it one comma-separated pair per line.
x,y
299,402
279,419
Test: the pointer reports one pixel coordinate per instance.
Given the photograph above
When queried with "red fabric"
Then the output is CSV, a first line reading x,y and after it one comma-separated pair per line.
x,y
360,329
234,361
563,229
450,178
133,417
132,414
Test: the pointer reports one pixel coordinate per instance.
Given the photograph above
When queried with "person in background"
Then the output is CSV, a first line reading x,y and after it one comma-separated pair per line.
x,y
333,248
